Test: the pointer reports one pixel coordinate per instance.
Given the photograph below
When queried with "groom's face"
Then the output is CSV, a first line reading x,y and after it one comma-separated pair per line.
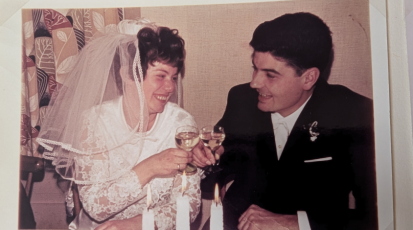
x,y
280,88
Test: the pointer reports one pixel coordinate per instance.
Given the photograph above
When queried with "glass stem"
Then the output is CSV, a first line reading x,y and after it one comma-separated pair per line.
x,y
215,157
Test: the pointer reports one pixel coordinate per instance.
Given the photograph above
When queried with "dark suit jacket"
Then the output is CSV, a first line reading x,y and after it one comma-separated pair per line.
x,y
345,127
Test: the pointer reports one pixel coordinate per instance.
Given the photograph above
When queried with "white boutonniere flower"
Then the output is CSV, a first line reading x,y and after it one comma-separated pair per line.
x,y
313,133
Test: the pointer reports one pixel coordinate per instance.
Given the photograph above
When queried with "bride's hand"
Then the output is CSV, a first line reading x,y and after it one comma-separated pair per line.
x,y
165,163
169,161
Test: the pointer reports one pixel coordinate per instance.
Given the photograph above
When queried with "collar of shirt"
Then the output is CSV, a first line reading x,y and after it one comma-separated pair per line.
x,y
290,119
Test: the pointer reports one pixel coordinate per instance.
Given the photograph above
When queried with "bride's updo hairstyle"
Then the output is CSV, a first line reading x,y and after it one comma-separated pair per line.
x,y
163,45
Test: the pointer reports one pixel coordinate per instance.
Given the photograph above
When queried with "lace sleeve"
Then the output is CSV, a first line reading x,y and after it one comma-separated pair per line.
x,y
165,215
104,200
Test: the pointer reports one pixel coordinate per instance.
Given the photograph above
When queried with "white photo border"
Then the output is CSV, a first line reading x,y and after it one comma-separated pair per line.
x,y
10,77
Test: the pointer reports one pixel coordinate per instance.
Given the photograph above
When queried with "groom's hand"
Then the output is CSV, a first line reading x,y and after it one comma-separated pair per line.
x,y
256,218
202,156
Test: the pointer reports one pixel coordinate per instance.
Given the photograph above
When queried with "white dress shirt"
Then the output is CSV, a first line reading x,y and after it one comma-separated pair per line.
x,y
282,128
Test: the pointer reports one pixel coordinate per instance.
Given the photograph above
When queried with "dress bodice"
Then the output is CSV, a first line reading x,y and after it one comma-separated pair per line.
x,y
125,197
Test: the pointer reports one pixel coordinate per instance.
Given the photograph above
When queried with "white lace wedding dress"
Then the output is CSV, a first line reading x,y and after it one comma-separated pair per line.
x,y
125,197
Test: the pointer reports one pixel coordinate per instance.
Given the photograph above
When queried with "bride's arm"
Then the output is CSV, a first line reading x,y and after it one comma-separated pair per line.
x,y
103,200
165,215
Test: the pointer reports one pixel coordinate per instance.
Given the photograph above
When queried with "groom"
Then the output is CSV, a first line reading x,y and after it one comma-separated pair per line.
x,y
295,145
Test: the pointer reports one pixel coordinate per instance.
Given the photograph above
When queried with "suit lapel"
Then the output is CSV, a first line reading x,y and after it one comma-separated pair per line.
x,y
300,132
266,142
269,139
297,136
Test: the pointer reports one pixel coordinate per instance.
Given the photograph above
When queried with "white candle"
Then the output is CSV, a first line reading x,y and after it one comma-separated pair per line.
x,y
182,208
182,215
148,220
217,214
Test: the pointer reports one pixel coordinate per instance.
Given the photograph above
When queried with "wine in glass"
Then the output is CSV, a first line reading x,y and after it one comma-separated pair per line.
x,y
186,138
212,137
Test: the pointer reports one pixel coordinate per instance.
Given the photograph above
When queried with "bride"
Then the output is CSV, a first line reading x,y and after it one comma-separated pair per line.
x,y
111,128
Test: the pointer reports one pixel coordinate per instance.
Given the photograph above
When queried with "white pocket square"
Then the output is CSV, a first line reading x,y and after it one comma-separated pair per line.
x,y
318,159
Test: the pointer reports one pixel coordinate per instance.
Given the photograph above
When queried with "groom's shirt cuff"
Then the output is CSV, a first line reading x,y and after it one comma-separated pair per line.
x,y
303,222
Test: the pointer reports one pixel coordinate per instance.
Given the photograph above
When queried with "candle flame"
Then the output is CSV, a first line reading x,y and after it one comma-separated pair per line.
x,y
216,195
183,182
148,196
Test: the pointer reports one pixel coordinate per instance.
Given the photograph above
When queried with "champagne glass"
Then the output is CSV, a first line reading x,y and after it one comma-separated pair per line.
x,y
212,137
186,138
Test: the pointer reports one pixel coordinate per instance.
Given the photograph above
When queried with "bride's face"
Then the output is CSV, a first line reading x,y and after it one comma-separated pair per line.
x,y
158,86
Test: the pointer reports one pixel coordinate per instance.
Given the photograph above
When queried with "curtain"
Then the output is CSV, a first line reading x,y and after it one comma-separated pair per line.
x,y
51,41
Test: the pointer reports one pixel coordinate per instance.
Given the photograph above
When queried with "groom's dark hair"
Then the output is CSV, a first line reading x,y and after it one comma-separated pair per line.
x,y
303,40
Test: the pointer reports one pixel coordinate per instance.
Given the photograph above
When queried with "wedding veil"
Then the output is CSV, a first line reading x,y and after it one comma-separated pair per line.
x,y
74,132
